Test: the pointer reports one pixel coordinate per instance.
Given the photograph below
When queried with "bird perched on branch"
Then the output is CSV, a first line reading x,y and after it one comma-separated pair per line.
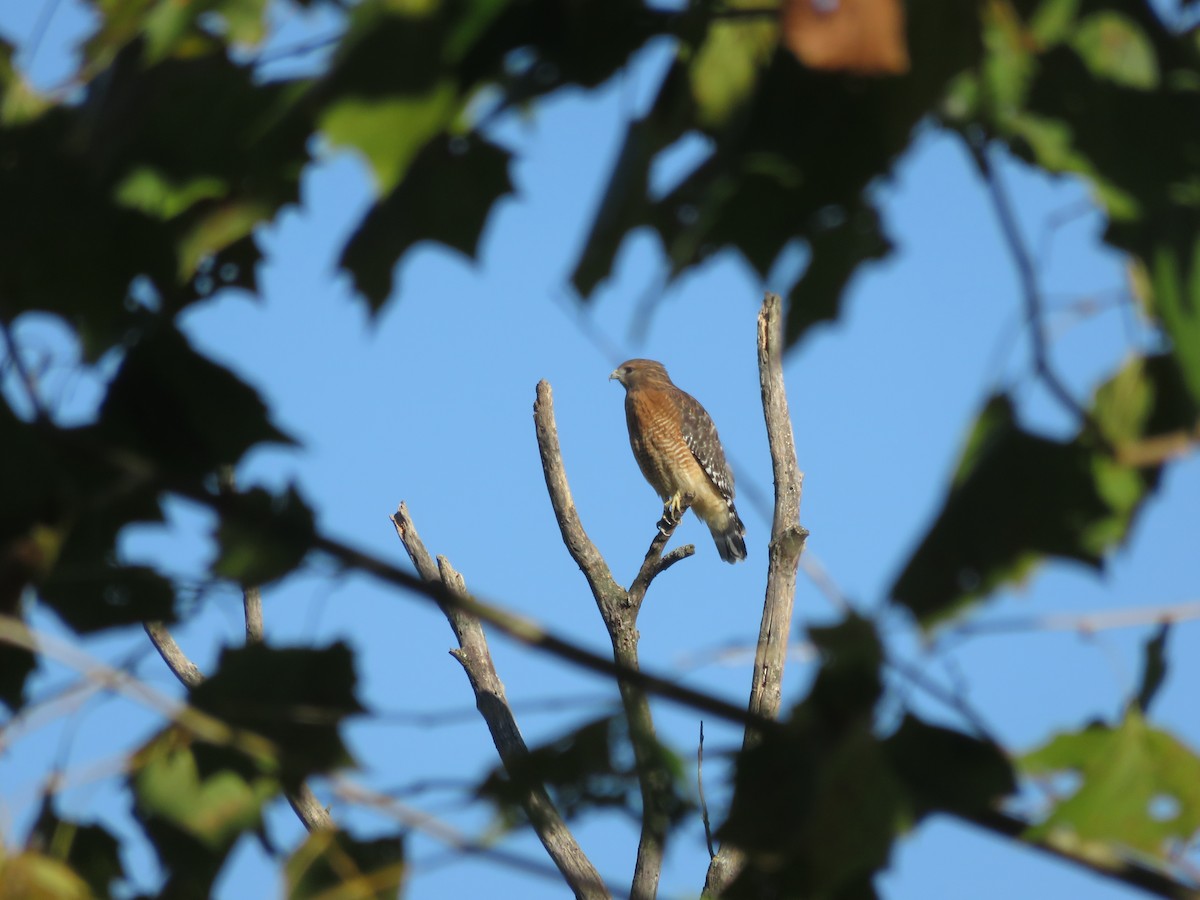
x,y
678,450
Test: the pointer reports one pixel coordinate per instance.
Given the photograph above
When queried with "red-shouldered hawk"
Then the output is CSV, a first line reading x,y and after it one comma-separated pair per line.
x,y
679,452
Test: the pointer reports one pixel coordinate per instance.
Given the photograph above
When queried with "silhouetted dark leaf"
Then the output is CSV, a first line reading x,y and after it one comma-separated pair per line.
x,y
1154,667
1014,499
335,866
263,537
816,808
90,850
947,771
186,414
92,598
447,196
584,770
295,697
836,253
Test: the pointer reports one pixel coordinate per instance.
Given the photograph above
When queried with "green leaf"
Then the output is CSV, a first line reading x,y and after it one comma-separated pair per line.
x,y
36,876
262,537
1114,47
1140,787
1168,249
167,27
295,697
90,850
332,865
724,70
194,813
984,536
1154,667
184,413
450,189
390,131
947,771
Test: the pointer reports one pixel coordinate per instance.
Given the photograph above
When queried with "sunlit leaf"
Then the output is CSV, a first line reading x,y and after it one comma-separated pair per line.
x,y
391,131
725,69
40,877
1114,47
1139,786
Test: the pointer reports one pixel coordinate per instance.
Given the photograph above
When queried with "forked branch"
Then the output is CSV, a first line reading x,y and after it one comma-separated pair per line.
x,y
476,659
619,609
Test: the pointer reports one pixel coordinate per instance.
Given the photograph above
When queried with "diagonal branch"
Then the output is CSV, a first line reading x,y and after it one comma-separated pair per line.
x,y
619,609
788,537
476,659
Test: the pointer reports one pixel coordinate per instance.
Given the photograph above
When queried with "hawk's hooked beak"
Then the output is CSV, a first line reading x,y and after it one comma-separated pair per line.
x,y
615,375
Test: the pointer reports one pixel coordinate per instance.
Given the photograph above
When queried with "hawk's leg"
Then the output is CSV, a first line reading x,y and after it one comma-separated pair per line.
x,y
673,511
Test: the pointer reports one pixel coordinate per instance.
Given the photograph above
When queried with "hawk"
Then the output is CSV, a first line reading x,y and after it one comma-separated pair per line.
x,y
677,448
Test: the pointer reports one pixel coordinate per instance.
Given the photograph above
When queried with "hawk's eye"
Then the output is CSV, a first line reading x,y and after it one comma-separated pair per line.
x,y
628,370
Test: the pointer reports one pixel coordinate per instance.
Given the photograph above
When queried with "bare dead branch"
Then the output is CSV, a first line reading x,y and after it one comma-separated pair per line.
x,y
599,577
475,657
526,631
252,606
619,609
788,537
708,838
181,667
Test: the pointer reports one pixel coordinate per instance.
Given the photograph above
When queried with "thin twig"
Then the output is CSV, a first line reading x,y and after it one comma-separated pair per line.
x,y
1084,623
439,830
23,373
475,657
1027,274
708,838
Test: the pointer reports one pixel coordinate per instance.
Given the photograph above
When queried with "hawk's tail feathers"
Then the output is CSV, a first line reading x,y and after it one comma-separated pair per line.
x,y
730,539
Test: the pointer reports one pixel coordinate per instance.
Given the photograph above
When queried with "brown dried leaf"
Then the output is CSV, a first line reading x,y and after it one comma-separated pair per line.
x,y
865,37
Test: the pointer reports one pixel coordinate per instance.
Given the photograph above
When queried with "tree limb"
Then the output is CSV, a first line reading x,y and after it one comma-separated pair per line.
x,y
619,609
788,537
475,657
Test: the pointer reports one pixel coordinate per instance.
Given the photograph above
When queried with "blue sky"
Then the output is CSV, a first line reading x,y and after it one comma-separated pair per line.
x,y
431,403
